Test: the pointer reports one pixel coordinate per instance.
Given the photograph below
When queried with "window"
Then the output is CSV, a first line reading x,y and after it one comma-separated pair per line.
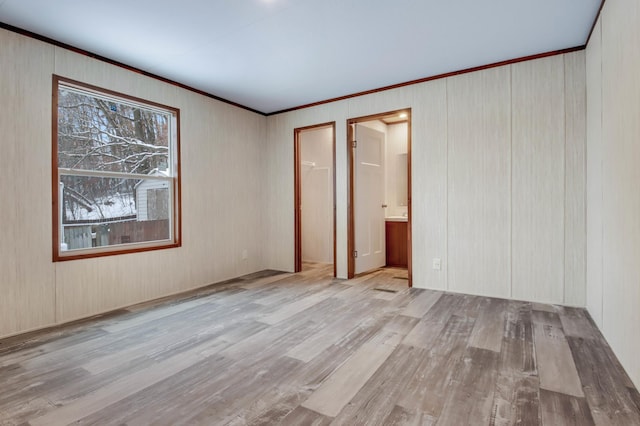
x,y
115,173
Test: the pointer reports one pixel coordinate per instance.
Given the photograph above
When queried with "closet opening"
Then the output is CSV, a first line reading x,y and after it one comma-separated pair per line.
x,y
315,199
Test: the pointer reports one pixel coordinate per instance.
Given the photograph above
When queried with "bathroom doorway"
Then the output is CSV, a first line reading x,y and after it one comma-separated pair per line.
x,y
315,200
379,192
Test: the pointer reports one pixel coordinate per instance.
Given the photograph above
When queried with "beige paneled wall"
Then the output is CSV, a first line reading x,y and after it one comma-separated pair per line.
x,y
538,145
279,205
491,152
594,174
429,168
27,286
575,227
613,61
223,169
479,184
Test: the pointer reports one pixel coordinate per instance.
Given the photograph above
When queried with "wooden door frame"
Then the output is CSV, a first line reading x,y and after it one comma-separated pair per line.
x,y
351,122
298,192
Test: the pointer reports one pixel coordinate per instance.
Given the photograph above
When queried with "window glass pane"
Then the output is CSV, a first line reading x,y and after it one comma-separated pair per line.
x,y
97,211
101,134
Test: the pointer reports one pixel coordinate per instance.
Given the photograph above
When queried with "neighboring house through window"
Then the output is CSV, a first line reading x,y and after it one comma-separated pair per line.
x,y
116,173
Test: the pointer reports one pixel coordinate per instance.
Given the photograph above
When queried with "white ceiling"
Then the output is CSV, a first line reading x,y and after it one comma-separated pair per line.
x,y
271,55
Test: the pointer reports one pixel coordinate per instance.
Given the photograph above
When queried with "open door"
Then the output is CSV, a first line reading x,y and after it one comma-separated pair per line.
x,y
367,176
369,154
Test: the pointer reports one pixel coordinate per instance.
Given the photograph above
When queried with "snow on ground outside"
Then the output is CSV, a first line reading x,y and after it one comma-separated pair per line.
x,y
104,208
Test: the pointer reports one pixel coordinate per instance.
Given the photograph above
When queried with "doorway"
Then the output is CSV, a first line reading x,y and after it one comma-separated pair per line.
x,y
314,198
379,191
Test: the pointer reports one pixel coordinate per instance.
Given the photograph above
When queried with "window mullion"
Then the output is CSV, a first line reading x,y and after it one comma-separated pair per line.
x,y
94,173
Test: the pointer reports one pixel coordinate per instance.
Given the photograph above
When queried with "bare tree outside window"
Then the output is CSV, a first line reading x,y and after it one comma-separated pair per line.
x,y
117,186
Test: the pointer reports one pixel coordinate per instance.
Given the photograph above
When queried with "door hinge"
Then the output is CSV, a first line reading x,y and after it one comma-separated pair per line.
x,y
355,253
354,144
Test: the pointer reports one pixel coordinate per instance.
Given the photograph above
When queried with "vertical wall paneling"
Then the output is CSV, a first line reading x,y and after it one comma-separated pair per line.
x,y
575,179
223,168
376,103
462,133
429,184
278,200
538,179
341,190
479,182
27,279
620,177
594,174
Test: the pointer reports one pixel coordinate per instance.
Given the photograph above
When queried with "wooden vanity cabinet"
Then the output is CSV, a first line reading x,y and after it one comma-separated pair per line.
x,y
396,243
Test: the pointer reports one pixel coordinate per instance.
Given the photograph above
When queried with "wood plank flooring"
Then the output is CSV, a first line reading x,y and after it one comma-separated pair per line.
x,y
306,349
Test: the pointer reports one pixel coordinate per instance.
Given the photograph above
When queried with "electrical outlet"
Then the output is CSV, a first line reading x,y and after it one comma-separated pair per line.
x,y
436,263
245,254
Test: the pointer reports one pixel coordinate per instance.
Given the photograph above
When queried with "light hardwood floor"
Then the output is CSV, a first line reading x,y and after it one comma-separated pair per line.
x,y
305,349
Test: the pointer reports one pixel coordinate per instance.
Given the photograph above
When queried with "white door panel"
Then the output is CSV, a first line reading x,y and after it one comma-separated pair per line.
x,y
369,199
